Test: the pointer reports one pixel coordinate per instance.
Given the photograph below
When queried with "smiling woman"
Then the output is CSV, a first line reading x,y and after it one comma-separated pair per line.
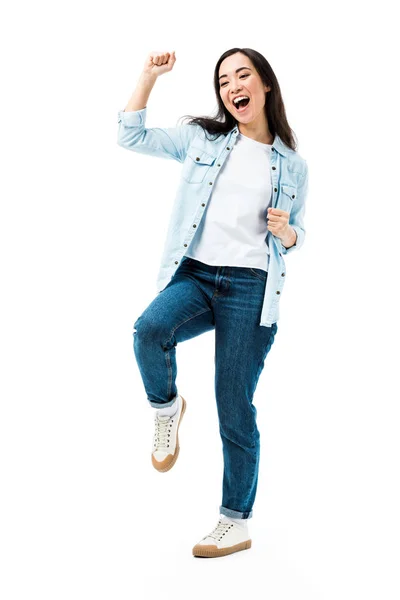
x,y
239,209
244,72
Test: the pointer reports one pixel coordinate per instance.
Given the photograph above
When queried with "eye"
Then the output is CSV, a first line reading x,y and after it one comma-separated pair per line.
x,y
246,75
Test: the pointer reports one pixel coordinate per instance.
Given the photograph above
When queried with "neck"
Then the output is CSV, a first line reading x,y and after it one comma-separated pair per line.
x,y
257,132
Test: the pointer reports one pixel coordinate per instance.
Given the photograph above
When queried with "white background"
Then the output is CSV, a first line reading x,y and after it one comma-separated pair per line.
x,y
84,515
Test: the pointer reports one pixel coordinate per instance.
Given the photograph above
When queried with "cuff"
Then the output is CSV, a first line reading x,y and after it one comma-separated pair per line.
x,y
132,118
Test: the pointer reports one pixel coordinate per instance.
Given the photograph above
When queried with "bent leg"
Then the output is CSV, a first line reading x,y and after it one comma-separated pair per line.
x,y
180,312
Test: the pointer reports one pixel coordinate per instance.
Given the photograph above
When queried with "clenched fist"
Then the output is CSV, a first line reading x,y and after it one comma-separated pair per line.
x,y
278,222
278,225
158,63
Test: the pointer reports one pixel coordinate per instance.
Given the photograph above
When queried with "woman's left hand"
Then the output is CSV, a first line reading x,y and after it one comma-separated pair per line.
x,y
278,222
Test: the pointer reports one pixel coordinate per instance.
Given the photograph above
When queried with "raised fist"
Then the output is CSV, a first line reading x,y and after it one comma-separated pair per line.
x,y
158,63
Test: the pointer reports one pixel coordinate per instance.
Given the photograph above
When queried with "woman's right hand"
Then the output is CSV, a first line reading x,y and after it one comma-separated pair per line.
x,y
158,63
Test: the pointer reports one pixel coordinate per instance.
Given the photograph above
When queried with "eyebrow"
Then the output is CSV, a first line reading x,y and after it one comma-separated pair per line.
x,y
237,71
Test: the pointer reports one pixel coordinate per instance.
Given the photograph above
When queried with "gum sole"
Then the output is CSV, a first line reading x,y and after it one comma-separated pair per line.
x,y
168,466
212,552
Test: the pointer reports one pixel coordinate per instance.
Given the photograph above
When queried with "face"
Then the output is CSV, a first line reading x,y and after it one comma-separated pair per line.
x,y
245,82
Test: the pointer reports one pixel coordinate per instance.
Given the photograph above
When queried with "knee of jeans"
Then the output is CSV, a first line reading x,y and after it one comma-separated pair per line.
x,y
135,326
139,326
150,330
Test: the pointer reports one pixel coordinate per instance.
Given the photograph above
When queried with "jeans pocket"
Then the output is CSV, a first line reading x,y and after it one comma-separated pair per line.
x,y
186,261
258,273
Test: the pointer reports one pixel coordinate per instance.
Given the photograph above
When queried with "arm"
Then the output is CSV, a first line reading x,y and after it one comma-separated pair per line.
x,y
296,219
171,143
140,96
133,135
290,239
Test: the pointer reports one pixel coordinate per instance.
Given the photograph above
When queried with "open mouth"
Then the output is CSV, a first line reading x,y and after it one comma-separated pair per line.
x,y
242,104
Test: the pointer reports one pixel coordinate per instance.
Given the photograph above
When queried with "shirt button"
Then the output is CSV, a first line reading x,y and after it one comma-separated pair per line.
x,y
272,149
197,158
283,274
274,168
176,262
210,182
194,225
185,245
275,189
218,165
294,195
202,204
228,148
278,292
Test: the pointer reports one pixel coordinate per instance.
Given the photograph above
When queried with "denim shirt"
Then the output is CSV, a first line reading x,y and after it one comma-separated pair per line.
x,y
202,160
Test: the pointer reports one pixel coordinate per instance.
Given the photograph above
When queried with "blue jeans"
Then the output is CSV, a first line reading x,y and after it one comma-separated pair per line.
x,y
200,298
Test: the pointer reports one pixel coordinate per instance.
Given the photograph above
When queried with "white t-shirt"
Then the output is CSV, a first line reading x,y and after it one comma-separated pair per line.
x,y
233,229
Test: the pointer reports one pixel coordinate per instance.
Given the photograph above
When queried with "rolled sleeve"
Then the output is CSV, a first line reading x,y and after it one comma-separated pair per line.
x,y
132,118
172,142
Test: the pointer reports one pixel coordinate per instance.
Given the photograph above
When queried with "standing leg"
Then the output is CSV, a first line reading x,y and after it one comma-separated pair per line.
x,y
241,346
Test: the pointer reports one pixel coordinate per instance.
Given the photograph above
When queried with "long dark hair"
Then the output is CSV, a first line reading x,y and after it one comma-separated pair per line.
x,y
274,107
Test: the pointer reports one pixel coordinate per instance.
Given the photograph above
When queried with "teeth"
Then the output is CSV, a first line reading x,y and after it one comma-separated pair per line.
x,y
236,100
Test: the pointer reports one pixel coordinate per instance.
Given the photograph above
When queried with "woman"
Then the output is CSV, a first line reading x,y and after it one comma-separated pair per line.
x,y
239,208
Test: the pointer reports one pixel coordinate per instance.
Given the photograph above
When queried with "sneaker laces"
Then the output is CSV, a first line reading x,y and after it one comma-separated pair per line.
x,y
161,435
219,530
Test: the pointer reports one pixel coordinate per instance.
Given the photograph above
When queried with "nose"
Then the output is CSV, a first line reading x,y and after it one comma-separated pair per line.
x,y
235,93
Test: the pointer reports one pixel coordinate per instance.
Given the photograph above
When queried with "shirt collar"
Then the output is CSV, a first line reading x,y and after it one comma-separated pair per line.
x,y
277,144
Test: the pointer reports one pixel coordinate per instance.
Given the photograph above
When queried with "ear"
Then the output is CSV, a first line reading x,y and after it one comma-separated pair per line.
x,y
267,88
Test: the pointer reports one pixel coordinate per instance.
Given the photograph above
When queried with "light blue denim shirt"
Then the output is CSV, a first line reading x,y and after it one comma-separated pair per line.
x,y
202,160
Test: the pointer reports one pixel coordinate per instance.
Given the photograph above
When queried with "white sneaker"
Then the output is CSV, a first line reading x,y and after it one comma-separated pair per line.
x,y
165,441
227,537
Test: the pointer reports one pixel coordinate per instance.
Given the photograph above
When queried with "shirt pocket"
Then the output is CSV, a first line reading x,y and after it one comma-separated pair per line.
x,y
196,165
288,194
